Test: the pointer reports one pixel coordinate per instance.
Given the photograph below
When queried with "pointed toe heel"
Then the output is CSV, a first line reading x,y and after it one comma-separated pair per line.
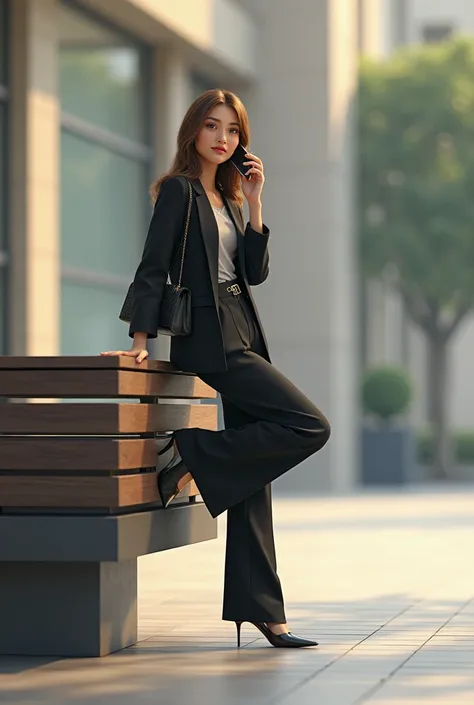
x,y
169,480
279,641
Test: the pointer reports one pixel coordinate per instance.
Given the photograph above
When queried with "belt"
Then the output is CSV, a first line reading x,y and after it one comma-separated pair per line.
x,y
230,288
224,290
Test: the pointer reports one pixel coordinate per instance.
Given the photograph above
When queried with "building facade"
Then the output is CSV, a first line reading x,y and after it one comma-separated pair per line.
x,y
91,95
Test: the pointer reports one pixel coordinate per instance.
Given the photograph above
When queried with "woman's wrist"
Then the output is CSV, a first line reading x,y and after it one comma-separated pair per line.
x,y
140,340
255,216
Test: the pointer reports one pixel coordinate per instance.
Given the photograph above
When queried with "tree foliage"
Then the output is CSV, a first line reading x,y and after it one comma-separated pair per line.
x,y
416,179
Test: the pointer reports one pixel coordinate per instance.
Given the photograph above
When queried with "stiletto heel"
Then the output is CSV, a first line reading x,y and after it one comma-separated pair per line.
x,y
238,625
282,641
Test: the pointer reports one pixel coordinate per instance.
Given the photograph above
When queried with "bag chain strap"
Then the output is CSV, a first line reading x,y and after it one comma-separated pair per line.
x,y
188,218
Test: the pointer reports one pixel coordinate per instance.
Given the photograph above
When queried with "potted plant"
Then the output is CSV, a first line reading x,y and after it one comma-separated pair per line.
x,y
388,447
463,451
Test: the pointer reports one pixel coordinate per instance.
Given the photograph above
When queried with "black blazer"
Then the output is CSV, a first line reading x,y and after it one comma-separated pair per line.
x,y
203,350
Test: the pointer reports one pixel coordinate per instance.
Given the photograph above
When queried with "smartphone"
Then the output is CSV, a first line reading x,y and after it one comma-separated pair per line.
x,y
238,158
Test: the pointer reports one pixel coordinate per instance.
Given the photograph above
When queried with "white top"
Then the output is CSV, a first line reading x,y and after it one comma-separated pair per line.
x,y
227,244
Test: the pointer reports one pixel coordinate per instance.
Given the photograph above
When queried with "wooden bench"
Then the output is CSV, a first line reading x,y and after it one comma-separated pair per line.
x,y
78,495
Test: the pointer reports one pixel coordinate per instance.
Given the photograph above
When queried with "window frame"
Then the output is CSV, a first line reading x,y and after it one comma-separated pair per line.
x,y
436,32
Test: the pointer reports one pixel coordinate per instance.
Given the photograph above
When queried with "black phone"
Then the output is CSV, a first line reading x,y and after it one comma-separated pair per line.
x,y
238,158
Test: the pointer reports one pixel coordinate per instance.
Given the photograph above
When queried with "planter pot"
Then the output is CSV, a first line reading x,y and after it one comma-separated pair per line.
x,y
461,472
388,456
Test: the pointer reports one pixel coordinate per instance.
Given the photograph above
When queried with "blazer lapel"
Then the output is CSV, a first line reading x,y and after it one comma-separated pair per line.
x,y
210,234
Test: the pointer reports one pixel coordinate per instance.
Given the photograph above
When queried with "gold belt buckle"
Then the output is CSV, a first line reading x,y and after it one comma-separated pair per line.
x,y
235,289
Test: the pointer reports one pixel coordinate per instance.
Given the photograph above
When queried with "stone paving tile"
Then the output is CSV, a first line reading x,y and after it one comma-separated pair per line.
x,y
433,688
324,690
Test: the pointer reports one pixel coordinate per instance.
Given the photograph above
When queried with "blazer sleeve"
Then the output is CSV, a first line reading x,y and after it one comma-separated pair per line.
x,y
256,254
163,238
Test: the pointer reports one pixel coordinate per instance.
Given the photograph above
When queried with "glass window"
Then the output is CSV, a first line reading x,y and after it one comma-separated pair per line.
x,y
3,311
3,42
90,320
102,76
105,172
104,204
200,84
3,168
435,33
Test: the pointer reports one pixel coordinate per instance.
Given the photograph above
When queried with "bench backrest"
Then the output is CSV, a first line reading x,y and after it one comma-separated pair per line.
x,y
82,455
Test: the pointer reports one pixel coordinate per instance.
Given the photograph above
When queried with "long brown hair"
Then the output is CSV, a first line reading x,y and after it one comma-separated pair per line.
x,y
186,162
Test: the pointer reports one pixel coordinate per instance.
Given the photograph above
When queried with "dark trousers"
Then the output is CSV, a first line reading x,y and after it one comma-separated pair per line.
x,y
270,426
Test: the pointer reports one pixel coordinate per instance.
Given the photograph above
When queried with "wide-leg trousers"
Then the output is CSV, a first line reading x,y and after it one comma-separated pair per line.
x,y
270,426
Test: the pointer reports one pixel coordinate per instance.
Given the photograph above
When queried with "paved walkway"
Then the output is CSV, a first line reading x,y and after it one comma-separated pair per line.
x,y
385,581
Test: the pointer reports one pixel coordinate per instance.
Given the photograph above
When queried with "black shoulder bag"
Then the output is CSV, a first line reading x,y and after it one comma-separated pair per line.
x,y
175,311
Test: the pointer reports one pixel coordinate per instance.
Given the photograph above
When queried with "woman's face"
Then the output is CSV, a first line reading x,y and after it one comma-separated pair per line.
x,y
219,136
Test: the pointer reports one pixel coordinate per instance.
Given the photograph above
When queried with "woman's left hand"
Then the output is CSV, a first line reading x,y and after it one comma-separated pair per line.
x,y
253,188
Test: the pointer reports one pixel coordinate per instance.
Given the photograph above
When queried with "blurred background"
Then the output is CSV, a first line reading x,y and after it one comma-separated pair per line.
x,y
363,113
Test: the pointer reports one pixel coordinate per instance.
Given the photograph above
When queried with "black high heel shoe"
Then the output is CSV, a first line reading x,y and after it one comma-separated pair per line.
x,y
285,641
167,446
169,478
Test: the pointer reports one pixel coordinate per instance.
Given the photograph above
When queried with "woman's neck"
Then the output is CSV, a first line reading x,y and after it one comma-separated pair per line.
x,y
208,176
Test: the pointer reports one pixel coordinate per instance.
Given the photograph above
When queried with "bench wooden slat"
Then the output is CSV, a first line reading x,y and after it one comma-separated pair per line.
x,y
100,384
75,454
82,492
102,418
91,362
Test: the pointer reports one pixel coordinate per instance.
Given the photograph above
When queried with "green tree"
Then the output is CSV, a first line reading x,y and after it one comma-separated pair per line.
x,y
416,187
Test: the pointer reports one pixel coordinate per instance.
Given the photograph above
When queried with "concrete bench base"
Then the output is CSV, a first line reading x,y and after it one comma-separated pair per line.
x,y
68,609
68,584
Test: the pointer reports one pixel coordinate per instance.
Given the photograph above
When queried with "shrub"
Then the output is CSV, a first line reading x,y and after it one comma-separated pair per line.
x,y
463,447
386,392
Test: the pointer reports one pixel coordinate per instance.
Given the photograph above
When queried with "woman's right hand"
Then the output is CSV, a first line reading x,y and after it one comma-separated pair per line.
x,y
139,354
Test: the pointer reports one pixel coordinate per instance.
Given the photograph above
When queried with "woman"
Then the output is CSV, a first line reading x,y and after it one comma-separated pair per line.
x,y
270,426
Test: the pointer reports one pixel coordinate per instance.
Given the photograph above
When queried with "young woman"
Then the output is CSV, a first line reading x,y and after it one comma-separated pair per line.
x,y
270,426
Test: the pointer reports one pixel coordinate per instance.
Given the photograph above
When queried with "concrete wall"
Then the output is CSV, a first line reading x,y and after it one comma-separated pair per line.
x,y
34,178
462,376
403,20
211,34
302,111
458,13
